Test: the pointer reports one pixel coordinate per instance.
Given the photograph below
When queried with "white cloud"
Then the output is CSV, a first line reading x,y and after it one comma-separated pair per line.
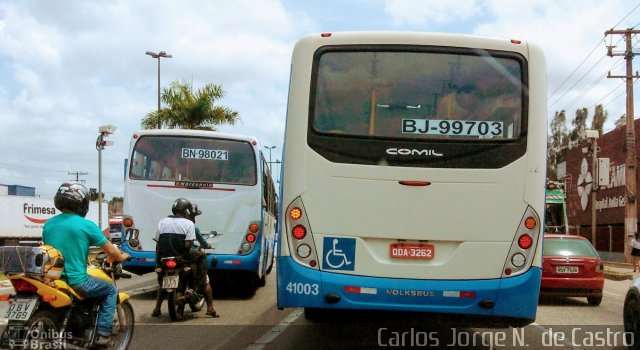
x,y
421,13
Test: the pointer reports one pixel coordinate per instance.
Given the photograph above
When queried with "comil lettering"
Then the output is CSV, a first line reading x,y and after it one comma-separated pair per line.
x,y
412,152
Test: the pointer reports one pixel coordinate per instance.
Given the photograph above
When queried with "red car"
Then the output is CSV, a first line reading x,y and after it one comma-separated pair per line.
x,y
571,267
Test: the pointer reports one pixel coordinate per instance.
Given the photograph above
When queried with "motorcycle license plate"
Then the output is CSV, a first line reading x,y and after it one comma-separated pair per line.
x,y
170,282
18,309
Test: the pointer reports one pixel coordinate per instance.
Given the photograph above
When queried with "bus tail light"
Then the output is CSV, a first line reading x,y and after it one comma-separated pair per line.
x,y
525,241
523,247
300,240
251,238
127,222
299,232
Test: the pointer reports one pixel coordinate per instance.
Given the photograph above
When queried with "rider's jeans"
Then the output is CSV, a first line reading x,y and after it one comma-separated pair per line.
x,y
107,292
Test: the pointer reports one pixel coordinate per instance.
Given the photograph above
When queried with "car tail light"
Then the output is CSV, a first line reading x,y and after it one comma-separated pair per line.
x,y
23,286
299,232
599,267
253,228
127,222
170,264
251,238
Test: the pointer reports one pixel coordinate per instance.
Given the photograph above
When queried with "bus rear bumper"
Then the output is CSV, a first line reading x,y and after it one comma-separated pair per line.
x,y
514,297
139,258
247,262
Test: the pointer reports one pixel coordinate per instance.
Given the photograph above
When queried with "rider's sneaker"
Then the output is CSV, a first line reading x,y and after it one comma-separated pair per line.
x,y
102,341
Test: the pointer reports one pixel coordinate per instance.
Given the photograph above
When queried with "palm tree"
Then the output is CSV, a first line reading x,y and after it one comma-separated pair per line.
x,y
189,110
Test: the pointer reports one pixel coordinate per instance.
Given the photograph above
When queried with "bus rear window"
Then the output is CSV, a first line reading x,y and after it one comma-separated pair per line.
x,y
418,95
197,159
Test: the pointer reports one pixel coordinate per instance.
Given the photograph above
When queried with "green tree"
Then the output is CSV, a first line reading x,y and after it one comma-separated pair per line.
x,y
599,118
191,110
557,143
622,121
579,124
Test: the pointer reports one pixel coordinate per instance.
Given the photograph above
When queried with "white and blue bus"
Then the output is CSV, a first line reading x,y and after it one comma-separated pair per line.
x,y
226,175
414,175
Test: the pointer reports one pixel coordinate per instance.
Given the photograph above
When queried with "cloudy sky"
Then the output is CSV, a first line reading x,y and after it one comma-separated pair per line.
x,y
67,67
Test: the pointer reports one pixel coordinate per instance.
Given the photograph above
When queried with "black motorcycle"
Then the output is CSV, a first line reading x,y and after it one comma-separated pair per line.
x,y
180,286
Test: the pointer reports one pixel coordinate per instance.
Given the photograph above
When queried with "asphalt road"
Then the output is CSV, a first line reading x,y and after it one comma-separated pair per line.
x,y
255,323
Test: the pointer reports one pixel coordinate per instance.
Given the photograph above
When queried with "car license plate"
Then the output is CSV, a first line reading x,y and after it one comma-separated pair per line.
x,y
170,282
411,251
18,309
567,269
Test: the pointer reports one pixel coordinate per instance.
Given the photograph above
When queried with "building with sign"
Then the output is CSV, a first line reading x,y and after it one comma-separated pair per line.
x,y
610,199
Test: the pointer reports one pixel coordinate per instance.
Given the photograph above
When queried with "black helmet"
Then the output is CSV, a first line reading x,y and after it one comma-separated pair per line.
x,y
182,207
72,197
194,212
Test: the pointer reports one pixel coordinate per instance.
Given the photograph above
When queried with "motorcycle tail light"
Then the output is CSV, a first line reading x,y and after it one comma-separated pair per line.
x,y
23,286
170,264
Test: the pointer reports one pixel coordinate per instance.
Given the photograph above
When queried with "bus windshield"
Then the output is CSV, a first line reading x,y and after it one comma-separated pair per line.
x,y
462,95
176,158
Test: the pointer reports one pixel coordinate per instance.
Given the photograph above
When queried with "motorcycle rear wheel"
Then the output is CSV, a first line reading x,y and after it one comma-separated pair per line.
x,y
42,322
176,306
123,324
195,307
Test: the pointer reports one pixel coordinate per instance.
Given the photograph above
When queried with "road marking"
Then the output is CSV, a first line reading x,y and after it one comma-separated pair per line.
x,y
274,332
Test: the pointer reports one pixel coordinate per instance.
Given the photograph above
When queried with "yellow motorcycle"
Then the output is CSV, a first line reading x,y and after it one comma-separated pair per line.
x,y
45,313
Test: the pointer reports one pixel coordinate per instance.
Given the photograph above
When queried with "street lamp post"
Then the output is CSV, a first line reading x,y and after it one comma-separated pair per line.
x,y
269,148
158,55
104,130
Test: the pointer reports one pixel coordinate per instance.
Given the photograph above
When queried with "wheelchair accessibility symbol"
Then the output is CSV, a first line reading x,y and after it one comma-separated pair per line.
x,y
340,253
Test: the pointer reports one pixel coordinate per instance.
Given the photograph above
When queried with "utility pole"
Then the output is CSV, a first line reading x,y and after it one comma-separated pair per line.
x,y
78,174
630,212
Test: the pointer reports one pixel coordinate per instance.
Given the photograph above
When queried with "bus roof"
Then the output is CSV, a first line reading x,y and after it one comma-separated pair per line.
x,y
410,38
200,133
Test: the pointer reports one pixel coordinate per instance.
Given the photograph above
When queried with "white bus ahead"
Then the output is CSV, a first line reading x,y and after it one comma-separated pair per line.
x,y
414,175
225,175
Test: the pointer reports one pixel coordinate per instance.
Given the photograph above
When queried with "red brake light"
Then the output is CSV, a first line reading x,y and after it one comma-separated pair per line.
x,y
127,222
325,35
525,241
254,228
23,286
250,238
299,232
170,264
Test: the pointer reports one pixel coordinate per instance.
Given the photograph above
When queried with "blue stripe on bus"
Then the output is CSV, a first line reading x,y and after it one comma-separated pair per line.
x,y
515,297
247,262
141,258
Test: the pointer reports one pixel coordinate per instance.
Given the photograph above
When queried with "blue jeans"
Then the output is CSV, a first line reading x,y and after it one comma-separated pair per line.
x,y
108,294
